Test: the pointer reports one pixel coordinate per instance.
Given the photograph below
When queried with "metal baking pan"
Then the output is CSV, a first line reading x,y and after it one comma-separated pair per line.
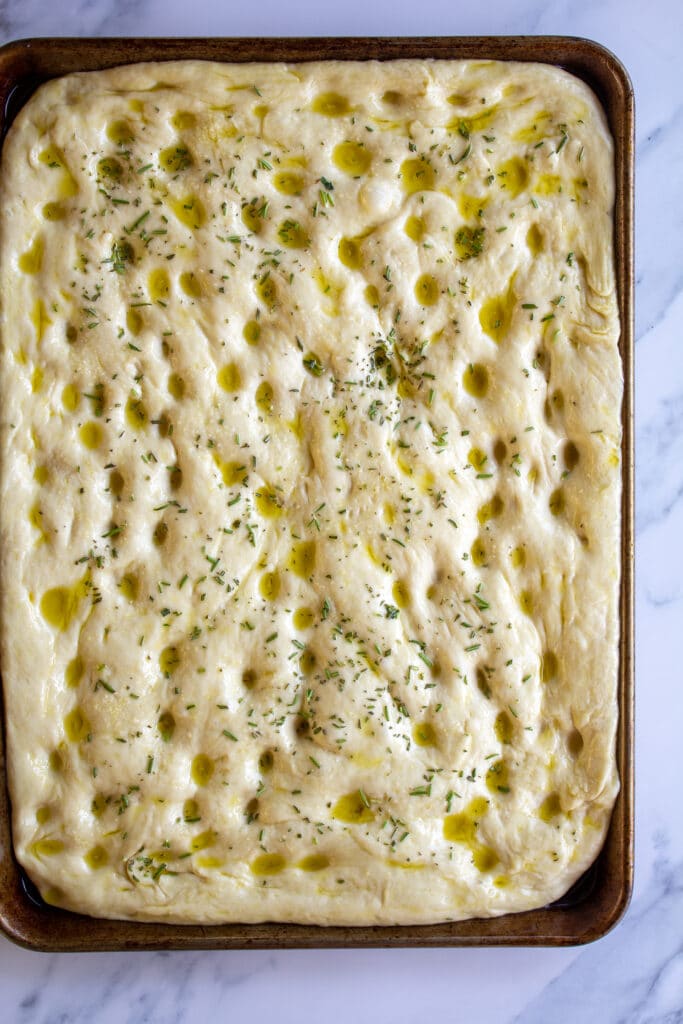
x,y
598,900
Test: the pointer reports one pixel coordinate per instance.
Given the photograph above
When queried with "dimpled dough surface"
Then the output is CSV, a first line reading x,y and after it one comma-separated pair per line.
x,y
310,490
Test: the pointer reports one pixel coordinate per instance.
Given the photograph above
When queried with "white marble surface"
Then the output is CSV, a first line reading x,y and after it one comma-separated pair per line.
x,y
635,974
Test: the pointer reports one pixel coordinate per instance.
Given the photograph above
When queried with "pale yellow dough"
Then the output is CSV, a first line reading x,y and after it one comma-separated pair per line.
x,y
310,489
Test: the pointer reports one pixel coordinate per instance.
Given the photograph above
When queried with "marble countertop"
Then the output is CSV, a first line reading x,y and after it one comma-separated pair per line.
x,y
635,974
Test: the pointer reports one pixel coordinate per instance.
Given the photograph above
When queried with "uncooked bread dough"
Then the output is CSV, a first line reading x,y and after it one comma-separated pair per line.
x,y
310,489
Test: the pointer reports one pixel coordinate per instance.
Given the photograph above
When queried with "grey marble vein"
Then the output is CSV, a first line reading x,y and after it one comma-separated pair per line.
x,y
660,455
635,974
659,221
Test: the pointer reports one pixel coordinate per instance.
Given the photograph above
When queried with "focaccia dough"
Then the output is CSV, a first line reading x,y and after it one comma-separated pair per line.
x,y
310,489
